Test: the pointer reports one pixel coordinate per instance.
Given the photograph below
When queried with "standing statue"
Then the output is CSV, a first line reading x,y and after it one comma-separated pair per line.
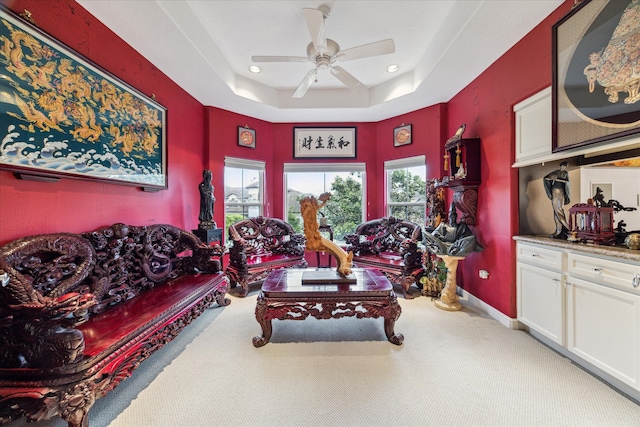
x,y
556,185
435,205
206,202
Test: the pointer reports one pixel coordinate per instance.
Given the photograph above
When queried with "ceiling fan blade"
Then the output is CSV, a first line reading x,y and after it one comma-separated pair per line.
x,y
306,83
383,47
347,79
279,59
315,24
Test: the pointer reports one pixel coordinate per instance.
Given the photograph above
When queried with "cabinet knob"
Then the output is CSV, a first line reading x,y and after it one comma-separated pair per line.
x,y
598,270
535,255
636,280
555,279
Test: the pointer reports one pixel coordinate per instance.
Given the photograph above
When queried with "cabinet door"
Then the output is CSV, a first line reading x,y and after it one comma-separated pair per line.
x,y
533,126
603,328
541,301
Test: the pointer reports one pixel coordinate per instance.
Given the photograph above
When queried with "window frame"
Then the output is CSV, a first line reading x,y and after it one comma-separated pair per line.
x,y
397,164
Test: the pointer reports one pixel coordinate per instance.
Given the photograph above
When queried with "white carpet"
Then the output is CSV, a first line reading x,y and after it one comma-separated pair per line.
x,y
453,369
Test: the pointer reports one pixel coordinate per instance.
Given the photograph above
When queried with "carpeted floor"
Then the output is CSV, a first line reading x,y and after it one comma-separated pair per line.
x,y
454,369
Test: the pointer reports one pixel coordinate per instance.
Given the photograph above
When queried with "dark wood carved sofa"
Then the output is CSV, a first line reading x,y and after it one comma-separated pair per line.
x,y
259,246
80,312
391,246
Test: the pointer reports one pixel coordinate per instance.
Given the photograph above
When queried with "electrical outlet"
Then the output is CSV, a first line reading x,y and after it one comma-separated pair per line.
x,y
484,274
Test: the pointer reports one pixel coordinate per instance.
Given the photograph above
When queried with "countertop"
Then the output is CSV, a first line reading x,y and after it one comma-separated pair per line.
x,y
620,252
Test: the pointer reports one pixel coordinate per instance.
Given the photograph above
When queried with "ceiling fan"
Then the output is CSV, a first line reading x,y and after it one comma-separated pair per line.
x,y
324,52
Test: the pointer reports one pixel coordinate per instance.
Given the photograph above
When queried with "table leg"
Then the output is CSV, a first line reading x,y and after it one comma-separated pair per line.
x,y
390,317
261,311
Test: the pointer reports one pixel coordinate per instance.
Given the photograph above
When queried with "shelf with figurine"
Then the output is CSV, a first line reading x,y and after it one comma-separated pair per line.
x,y
462,162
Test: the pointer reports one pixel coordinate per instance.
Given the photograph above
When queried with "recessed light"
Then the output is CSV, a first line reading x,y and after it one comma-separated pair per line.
x,y
254,69
393,68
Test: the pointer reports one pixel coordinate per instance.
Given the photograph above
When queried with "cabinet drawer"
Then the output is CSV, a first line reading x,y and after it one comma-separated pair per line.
x,y
540,256
621,275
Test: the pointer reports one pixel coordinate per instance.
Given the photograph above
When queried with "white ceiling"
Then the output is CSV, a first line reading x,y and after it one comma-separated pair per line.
x,y
206,46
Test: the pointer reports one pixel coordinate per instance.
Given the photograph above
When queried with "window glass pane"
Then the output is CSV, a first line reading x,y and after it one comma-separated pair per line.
x,y
406,193
343,211
408,213
252,188
407,185
243,191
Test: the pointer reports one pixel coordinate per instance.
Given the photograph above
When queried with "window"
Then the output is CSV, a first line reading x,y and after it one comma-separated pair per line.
x,y
406,188
345,182
243,189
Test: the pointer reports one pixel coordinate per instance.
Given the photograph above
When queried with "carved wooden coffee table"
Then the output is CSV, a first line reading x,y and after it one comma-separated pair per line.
x,y
284,297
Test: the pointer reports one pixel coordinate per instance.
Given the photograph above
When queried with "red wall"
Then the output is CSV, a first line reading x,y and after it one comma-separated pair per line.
x,y
486,106
28,207
200,137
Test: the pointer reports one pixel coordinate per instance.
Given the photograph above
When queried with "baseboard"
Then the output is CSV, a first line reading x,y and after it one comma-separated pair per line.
x,y
468,300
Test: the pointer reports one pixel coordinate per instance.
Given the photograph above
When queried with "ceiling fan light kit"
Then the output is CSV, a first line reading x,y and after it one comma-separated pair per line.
x,y
324,52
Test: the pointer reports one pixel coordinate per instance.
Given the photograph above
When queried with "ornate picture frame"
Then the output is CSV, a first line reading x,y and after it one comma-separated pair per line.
x,y
594,92
246,137
64,116
402,135
327,143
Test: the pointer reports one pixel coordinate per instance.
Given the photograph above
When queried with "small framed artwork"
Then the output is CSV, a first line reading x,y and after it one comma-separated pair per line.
x,y
333,142
402,135
595,90
246,137
601,191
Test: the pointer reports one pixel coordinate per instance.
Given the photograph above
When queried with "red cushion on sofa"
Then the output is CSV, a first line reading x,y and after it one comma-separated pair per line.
x,y
270,259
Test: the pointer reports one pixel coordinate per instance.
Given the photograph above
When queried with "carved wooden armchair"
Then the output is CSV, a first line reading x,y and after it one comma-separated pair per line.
x,y
391,246
259,246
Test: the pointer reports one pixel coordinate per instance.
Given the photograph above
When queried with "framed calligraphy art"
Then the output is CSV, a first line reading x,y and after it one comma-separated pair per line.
x,y
62,115
596,73
330,142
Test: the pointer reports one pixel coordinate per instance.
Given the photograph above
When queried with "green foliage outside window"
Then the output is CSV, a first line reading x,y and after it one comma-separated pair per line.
x,y
407,187
232,218
344,210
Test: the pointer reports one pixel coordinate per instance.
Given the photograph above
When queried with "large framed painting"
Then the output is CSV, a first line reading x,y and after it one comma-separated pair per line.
x,y
63,116
596,73
330,142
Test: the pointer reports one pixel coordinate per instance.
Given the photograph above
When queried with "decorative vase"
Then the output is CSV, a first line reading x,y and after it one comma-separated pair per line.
x,y
633,241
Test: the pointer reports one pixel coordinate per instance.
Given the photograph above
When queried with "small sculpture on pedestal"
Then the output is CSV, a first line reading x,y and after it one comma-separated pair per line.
x,y
207,200
207,230
451,242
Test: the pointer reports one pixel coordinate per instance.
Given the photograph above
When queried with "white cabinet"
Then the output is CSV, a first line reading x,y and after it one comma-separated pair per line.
x,y
603,314
603,328
534,134
533,126
540,291
587,306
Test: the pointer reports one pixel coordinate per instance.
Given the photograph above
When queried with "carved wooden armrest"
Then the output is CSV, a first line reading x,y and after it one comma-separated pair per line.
x,y
38,333
293,246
